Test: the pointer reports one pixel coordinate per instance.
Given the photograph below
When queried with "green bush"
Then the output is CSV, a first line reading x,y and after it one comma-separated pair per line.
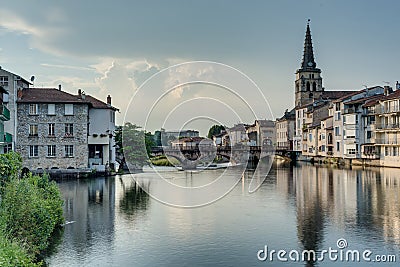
x,y
31,208
12,255
10,167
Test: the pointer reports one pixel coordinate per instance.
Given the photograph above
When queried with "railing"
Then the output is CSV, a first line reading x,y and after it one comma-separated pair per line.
x,y
5,113
387,126
380,110
382,141
349,110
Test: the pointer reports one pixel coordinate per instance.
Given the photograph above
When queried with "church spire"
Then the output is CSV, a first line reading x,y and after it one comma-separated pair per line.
x,y
308,55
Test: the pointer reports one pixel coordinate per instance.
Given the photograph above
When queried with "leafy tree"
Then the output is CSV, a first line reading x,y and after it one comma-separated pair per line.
x,y
214,130
133,144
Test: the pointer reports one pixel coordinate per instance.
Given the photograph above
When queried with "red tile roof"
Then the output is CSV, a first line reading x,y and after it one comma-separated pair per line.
x,y
53,95
48,95
98,103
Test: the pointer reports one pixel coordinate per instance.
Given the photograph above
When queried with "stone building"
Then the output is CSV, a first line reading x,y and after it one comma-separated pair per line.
x,y
56,130
52,129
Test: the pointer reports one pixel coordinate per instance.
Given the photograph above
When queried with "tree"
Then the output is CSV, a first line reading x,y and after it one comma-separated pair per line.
x,y
134,145
214,130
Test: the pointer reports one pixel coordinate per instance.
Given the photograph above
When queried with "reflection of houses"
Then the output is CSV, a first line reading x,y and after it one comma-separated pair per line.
x,y
192,142
53,128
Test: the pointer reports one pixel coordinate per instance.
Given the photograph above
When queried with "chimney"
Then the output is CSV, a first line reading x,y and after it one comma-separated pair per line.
x,y
109,100
19,94
387,90
59,87
79,93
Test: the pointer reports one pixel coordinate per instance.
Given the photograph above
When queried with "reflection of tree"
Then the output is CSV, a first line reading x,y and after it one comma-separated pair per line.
x,y
134,199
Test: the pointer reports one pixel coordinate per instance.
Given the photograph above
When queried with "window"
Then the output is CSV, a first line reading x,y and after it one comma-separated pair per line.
x,y
33,109
310,137
351,151
4,80
337,131
69,129
33,130
337,146
69,151
51,129
395,151
69,109
51,109
337,116
386,151
369,134
33,151
51,150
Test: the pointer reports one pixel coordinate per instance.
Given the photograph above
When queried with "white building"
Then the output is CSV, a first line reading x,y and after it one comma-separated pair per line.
x,y
101,141
11,82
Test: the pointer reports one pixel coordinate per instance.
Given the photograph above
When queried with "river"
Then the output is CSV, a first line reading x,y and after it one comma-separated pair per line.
x,y
297,208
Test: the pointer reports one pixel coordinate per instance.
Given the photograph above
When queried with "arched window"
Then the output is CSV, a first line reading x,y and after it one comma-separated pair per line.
x,y
308,86
314,86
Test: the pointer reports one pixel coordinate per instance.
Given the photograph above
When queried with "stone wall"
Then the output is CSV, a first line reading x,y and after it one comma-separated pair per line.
x,y
78,140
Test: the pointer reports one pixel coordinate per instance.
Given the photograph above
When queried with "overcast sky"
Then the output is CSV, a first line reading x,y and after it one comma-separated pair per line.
x,y
112,47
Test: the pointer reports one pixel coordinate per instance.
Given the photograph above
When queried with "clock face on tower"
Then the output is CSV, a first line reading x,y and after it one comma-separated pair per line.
x,y
309,64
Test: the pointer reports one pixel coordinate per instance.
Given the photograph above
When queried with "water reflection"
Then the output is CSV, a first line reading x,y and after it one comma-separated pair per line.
x,y
134,197
297,207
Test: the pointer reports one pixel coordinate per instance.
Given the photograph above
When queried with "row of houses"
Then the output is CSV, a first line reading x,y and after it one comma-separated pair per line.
x,y
355,125
53,129
260,133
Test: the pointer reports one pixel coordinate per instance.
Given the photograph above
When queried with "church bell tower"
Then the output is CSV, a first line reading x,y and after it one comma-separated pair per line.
x,y
308,84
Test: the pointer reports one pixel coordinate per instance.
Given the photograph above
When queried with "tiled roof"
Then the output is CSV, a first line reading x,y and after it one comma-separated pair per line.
x,y
336,95
53,95
395,94
48,95
98,104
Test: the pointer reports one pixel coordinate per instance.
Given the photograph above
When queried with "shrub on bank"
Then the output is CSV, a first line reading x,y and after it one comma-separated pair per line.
x,y
31,208
11,255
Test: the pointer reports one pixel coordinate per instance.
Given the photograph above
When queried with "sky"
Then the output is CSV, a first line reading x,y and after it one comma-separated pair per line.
x,y
113,47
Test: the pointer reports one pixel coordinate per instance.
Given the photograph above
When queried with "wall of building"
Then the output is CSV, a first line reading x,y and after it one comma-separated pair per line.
x,y
79,139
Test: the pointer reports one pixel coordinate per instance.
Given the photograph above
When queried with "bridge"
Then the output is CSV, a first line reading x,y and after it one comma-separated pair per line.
x,y
190,156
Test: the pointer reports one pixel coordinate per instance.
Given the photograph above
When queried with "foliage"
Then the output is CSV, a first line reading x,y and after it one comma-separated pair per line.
x,y
12,255
10,167
134,143
31,208
214,130
157,138
164,161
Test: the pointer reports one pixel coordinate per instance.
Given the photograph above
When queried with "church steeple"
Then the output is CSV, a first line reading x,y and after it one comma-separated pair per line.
x,y
308,84
308,55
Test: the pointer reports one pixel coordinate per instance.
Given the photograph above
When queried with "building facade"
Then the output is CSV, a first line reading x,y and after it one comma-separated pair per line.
x,y
11,83
56,130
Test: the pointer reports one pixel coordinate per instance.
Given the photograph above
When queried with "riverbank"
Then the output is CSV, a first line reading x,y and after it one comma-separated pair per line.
x,y
30,211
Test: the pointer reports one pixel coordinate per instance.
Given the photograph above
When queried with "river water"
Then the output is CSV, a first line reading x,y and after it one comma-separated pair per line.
x,y
297,208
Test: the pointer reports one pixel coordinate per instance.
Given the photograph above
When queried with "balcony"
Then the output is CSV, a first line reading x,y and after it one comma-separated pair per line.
x,y
5,113
392,126
349,111
383,141
383,110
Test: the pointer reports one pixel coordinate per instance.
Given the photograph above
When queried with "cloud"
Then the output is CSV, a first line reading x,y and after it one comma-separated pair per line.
x,y
65,66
